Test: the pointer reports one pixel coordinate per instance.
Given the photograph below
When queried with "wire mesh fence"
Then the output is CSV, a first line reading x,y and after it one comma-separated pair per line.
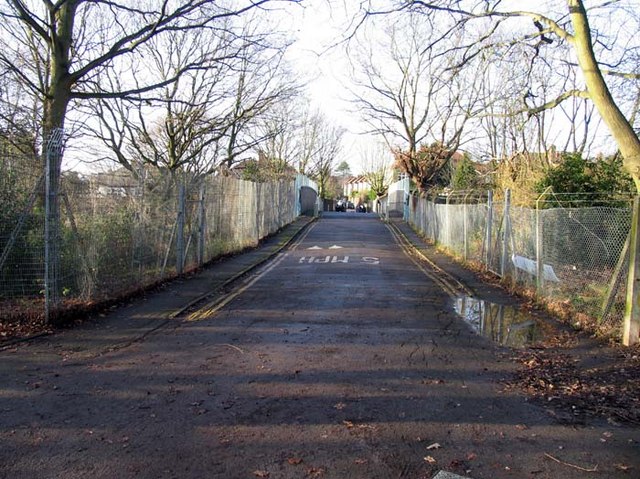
x,y
572,252
119,233
21,232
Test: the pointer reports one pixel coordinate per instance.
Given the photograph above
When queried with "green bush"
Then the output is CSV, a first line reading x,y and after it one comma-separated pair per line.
x,y
583,182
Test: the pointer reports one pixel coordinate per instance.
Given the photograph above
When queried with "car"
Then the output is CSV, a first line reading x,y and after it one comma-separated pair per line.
x,y
341,206
362,208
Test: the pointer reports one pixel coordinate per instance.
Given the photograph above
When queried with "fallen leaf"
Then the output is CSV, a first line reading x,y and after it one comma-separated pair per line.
x,y
622,467
315,471
471,456
349,424
294,461
261,473
340,406
430,460
435,445
360,461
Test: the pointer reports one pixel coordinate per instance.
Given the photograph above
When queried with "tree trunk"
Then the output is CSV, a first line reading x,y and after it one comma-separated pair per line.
x,y
620,128
55,106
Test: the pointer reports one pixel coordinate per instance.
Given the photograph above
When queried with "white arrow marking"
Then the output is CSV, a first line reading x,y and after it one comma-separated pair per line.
x,y
315,247
335,246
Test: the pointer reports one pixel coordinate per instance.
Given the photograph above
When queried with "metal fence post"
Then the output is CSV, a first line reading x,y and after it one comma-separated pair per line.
x,y
539,258
52,222
465,226
539,246
489,228
180,230
201,226
447,221
631,329
258,192
506,233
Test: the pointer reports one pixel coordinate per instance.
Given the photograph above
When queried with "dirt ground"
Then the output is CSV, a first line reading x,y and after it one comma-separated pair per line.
x,y
339,359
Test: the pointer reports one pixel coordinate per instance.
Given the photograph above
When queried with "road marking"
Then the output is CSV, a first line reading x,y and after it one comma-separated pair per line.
x,y
210,309
336,259
335,246
411,252
304,235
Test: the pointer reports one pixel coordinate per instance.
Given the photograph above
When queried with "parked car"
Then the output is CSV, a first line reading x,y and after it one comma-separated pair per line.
x,y
341,205
362,208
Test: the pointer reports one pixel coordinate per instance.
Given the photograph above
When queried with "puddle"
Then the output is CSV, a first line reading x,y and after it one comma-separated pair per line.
x,y
505,325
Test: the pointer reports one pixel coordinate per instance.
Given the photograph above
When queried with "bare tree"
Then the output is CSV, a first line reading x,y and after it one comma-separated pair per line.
x,y
70,44
207,117
263,84
281,130
18,120
411,92
378,169
596,53
177,128
321,145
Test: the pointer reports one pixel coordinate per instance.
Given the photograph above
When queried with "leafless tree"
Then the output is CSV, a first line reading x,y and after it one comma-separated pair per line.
x,y
378,170
264,84
18,119
282,129
410,90
60,50
176,128
207,117
608,51
321,146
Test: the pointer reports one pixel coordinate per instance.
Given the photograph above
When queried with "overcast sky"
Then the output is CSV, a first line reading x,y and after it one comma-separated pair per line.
x,y
319,54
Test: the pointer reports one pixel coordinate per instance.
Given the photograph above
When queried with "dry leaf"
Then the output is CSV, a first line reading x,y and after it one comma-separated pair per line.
x,y
315,472
261,473
360,461
294,461
435,445
430,460
622,467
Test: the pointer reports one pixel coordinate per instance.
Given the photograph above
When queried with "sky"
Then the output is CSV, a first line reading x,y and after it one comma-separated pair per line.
x,y
319,54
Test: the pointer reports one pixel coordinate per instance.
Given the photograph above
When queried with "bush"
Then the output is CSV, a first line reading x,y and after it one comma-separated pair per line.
x,y
586,182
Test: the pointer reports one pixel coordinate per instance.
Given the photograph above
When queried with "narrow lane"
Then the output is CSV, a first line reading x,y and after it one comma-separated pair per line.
x,y
340,359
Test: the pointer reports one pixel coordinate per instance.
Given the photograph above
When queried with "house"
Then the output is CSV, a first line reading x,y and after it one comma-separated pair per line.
x,y
357,184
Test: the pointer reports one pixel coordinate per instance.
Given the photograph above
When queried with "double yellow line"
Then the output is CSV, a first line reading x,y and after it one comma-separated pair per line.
x,y
450,285
212,307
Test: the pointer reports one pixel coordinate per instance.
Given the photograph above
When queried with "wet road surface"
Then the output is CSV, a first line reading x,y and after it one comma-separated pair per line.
x,y
339,359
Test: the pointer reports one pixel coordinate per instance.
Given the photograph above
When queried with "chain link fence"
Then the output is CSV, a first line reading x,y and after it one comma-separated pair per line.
x,y
572,252
119,234
21,235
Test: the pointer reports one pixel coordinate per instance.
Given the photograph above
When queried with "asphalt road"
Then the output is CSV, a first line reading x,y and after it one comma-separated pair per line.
x,y
340,358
